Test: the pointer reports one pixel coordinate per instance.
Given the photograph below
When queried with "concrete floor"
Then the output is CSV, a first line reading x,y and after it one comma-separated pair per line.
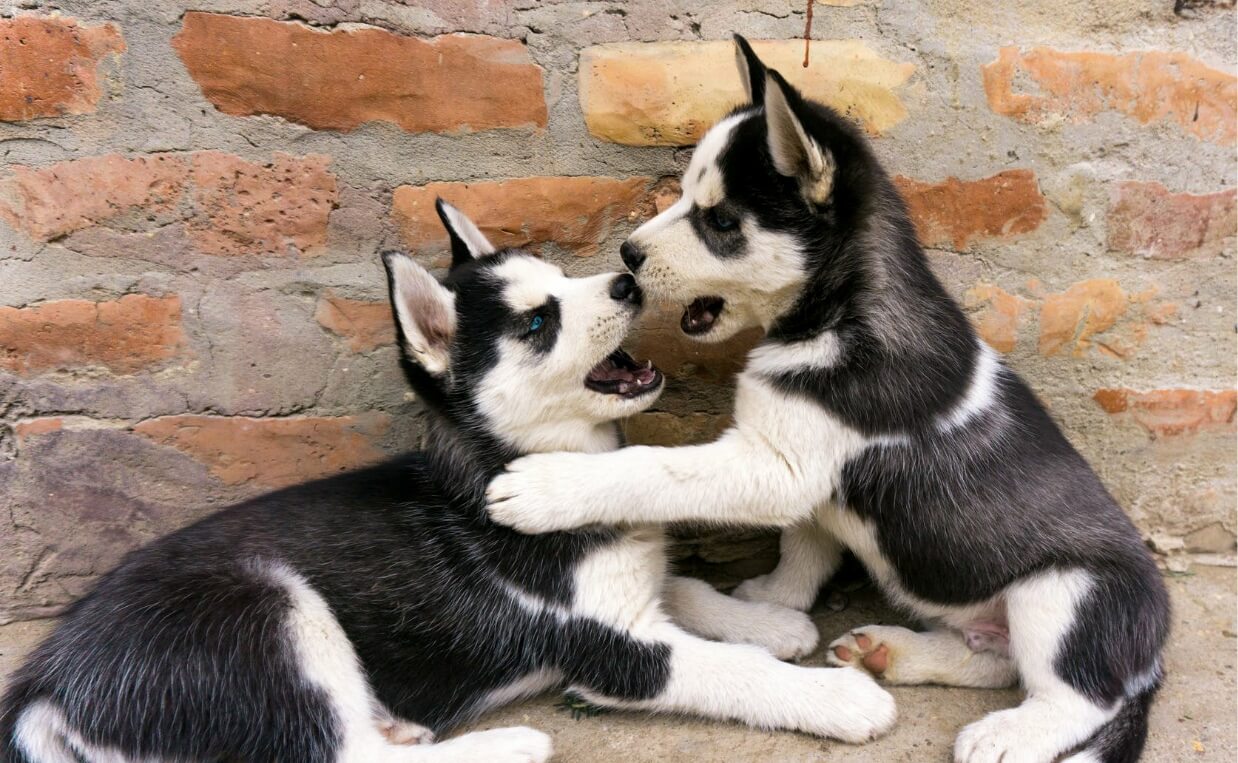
x,y
1195,718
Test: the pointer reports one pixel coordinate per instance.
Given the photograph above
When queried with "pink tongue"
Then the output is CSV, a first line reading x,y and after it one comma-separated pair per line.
x,y
613,374
645,375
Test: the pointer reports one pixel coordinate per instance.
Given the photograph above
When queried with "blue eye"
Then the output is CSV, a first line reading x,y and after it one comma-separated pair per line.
x,y
536,323
721,220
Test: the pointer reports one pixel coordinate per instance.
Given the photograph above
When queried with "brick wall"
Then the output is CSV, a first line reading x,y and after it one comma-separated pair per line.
x,y
192,310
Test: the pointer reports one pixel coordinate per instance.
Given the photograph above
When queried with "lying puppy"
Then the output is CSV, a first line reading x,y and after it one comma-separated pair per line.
x,y
331,620
872,418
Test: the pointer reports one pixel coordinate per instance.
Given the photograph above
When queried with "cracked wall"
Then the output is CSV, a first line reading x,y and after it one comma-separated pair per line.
x,y
192,199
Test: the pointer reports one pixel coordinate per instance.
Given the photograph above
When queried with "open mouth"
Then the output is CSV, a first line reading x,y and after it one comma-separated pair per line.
x,y
620,374
700,316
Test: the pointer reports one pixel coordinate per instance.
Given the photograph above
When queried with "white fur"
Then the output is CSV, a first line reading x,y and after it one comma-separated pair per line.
x,y
699,608
981,391
526,686
427,314
932,657
811,556
793,152
820,352
476,241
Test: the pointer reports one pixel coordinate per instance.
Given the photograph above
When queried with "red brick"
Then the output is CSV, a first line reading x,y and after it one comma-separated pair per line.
x,y
127,335
955,212
273,452
36,427
659,339
366,324
576,213
1149,86
669,429
341,79
1172,412
1148,220
49,66
227,205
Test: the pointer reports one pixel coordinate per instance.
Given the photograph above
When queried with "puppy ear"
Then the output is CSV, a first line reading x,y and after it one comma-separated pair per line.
x,y
425,313
751,70
467,240
794,152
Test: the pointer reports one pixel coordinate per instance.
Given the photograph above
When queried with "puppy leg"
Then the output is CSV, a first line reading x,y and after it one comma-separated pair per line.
x,y
747,684
810,555
517,744
1055,717
902,656
699,608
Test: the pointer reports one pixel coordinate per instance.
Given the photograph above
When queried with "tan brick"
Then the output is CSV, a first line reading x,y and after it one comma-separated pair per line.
x,y
341,79
998,314
955,212
127,335
1172,412
576,213
227,205
366,324
273,452
1148,86
1148,220
659,339
670,93
49,66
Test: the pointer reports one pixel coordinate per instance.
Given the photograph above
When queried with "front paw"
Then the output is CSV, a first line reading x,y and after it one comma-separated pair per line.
x,y
786,633
764,588
533,496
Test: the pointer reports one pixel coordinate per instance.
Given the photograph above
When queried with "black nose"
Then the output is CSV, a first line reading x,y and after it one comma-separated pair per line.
x,y
624,289
632,256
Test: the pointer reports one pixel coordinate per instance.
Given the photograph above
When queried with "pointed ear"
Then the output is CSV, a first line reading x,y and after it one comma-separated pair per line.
x,y
425,313
467,240
751,70
794,152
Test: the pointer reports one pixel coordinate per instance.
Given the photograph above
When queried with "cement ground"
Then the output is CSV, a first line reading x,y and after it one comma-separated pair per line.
x,y
1195,719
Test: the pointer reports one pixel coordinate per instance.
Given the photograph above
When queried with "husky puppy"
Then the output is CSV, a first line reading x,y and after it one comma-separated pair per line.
x,y
872,418
335,619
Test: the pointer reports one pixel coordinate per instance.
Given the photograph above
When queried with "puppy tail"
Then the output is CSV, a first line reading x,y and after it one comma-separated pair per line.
x,y
1120,740
26,735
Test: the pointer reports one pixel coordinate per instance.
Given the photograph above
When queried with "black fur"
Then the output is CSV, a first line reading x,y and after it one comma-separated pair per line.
x,y
180,652
960,514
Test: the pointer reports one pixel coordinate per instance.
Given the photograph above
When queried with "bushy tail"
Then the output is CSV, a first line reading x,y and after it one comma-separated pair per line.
x,y
11,706
1120,740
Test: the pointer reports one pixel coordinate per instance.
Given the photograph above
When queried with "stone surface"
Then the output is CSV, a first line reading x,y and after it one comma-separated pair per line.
x,y
271,452
1147,220
341,79
1172,412
575,213
1192,719
49,66
222,203
954,212
364,323
1043,84
124,336
669,93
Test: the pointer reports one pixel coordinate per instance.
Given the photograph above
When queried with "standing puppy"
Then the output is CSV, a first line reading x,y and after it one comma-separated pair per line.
x,y
872,418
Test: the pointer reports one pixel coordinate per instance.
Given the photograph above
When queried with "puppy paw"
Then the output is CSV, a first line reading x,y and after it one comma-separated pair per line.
x,y
763,588
786,633
400,731
867,648
517,744
845,704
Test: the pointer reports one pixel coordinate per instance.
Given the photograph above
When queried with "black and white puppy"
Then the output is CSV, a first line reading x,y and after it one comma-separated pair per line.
x,y
333,620
872,418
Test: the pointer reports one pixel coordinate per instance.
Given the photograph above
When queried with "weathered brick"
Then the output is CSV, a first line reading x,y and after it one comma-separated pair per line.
x,y
341,79
1148,220
1149,86
1099,314
670,93
1172,412
49,66
659,339
998,314
124,336
366,324
225,204
271,451
36,427
576,213
955,212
